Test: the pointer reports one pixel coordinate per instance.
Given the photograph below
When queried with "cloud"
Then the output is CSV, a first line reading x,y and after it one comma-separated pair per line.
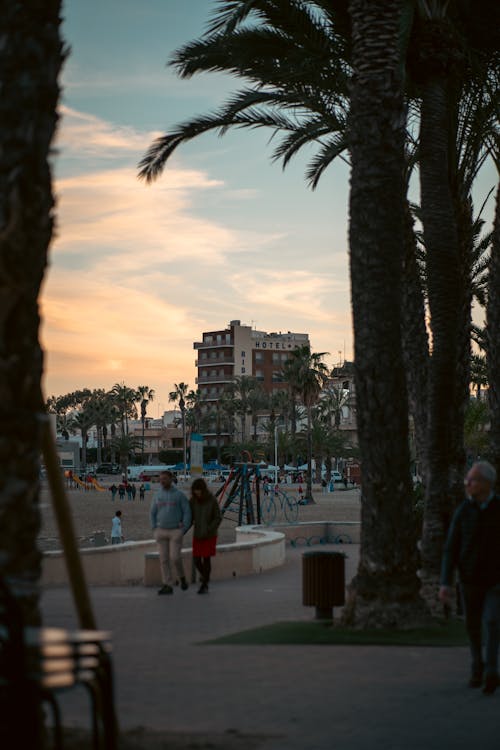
x,y
138,272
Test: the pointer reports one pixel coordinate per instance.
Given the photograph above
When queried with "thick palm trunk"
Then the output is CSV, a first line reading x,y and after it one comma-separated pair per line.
x,y
441,243
415,344
30,59
493,340
385,589
309,482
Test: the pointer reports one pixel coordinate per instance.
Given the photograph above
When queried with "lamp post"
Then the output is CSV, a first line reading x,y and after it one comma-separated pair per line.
x,y
182,407
275,454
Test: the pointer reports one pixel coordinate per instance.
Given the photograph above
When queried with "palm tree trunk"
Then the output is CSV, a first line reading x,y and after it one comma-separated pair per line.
x,y
441,243
493,340
385,588
309,494
30,57
415,344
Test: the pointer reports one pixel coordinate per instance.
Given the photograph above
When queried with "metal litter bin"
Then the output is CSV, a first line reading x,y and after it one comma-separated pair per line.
x,y
323,582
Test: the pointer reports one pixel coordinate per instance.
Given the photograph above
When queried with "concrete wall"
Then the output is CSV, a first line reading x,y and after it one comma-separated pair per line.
x,y
257,548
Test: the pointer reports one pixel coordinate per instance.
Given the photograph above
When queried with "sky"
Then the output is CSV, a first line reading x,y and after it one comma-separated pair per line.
x,y
137,272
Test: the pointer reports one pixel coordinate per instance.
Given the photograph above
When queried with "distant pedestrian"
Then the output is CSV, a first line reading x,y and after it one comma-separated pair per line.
x,y
113,489
129,492
142,492
323,486
332,485
206,519
116,528
134,490
121,491
473,547
170,519
344,479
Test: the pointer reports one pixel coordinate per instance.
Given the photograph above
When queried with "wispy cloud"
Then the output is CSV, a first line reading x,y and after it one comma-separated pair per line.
x,y
136,271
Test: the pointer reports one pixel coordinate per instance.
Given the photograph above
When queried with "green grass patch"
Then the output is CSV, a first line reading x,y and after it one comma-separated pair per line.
x,y
317,633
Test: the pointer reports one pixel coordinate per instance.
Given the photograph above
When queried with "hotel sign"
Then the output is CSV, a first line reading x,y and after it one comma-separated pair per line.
x,y
276,344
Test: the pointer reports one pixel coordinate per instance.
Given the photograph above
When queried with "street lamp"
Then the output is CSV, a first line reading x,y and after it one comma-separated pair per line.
x,y
275,454
182,407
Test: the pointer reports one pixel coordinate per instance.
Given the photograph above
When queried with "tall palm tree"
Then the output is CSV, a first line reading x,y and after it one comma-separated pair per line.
x,y
376,239
179,395
247,398
125,445
82,421
315,39
493,329
125,398
306,374
145,394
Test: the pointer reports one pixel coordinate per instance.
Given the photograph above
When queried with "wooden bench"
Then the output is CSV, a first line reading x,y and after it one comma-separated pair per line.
x,y
36,664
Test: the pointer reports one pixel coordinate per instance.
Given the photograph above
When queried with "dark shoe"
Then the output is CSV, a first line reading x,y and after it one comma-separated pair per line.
x,y
203,589
184,584
166,590
491,683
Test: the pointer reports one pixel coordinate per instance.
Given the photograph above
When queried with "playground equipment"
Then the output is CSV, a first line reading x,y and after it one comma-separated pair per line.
x,y
235,496
97,485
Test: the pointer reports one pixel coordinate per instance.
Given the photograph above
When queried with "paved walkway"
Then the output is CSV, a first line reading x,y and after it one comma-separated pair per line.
x,y
299,697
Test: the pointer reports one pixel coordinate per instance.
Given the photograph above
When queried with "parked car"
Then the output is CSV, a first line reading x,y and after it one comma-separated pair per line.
x,y
336,476
108,469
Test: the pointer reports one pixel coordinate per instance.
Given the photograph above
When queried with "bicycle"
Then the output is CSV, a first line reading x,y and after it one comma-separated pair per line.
x,y
288,506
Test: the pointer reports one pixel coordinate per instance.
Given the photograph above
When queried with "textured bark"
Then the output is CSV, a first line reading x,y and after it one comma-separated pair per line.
x,y
415,344
385,588
441,243
493,339
30,59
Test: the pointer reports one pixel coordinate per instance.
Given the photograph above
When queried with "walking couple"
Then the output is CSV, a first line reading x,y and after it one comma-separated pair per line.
x,y
171,517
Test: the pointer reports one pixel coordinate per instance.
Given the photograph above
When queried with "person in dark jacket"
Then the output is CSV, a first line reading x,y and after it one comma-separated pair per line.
x,y
473,547
206,520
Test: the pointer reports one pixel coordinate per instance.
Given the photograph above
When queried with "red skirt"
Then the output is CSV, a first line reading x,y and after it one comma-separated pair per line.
x,y
204,547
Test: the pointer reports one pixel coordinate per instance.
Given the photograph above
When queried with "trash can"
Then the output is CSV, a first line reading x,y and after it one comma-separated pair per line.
x,y
323,582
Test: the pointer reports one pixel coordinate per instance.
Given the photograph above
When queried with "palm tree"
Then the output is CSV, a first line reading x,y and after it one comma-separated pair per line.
x,y
306,98
179,395
125,445
82,421
145,394
125,398
376,239
315,40
493,330
247,398
306,374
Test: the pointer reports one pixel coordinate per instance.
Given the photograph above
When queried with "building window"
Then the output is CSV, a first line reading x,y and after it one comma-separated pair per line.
x,y
243,354
277,377
207,339
259,357
276,358
259,375
242,370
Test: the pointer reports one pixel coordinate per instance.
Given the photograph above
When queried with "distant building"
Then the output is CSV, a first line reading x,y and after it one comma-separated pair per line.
x,y
240,350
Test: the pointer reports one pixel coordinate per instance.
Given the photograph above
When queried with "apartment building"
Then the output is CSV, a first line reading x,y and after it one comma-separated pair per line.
x,y
240,350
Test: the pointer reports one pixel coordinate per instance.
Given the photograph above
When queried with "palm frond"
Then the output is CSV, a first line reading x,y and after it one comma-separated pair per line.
x,y
333,147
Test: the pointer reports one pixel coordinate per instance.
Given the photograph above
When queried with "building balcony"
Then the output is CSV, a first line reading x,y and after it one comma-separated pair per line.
x,y
214,362
213,345
216,379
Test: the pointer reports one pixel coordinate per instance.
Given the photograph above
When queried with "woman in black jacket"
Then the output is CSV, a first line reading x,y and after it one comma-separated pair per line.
x,y
206,521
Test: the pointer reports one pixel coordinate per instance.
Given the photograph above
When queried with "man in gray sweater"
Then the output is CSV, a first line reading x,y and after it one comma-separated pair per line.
x,y
170,519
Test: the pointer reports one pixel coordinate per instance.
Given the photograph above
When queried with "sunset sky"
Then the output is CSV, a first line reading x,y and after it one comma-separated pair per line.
x,y
138,272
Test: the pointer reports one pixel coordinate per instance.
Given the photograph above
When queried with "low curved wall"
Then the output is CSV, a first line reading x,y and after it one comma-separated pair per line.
x,y
257,548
